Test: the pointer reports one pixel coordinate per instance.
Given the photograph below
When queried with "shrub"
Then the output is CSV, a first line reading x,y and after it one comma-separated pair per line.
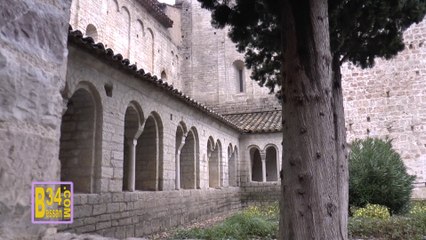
x,y
372,211
256,222
418,208
377,175
393,228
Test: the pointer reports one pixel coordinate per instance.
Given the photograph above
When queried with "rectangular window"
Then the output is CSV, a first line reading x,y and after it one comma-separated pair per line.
x,y
240,77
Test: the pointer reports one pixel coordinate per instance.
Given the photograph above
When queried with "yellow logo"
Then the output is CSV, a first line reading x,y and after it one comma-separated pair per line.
x,y
52,202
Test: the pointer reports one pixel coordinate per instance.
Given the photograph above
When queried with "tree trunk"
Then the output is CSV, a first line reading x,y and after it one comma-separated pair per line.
x,y
315,178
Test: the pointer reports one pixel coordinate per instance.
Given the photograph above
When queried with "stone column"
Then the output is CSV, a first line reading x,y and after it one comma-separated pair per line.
x,y
177,175
131,168
263,158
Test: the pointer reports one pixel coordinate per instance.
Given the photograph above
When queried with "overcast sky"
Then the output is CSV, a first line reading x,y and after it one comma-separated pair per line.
x,y
171,2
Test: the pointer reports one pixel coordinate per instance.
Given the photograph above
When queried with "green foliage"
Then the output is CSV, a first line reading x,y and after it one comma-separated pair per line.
x,y
394,228
261,222
372,211
254,222
418,208
378,175
360,31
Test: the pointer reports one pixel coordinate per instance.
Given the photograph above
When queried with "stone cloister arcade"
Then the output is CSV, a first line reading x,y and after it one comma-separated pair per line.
x,y
115,137
129,141
142,144
264,164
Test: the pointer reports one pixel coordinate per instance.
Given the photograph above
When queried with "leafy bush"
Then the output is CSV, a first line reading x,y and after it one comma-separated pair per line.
x,y
372,211
418,208
254,222
377,175
393,228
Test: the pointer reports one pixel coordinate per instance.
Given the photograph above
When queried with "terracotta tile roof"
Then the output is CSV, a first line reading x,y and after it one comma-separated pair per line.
x,y
257,122
116,60
153,7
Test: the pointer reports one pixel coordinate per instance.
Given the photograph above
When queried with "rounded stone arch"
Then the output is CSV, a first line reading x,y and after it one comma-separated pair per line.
x,y
141,28
163,75
149,155
150,31
138,108
210,143
80,148
113,6
150,43
92,31
127,11
137,43
180,140
213,157
270,145
133,120
229,152
232,165
185,151
256,169
219,144
271,162
125,31
238,84
194,131
182,125
219,150
160,130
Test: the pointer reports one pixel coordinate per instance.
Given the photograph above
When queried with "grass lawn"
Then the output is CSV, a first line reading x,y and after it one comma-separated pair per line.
x,y
261,222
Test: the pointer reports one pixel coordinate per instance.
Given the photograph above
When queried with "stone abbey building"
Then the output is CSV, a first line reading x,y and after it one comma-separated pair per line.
x,y
152,115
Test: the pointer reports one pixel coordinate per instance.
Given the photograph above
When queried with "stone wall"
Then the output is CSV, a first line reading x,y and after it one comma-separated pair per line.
x,y
129,29
33,52
389,100
136,214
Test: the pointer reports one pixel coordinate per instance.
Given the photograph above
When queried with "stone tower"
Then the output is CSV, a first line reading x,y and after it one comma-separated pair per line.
x,y
212,69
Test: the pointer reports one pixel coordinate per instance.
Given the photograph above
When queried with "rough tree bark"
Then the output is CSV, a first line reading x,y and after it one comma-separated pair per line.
x,y
315,178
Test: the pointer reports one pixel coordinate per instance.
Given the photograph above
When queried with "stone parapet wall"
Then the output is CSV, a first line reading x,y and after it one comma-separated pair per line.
x,y
135,214
259,193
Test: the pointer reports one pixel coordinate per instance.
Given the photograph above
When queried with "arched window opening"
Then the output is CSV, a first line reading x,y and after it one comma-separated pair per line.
x,y
80,143
197,158
187,162
124,30
92,32
150,50
131,134
271,164
213,154
232,166
147,157
163,75
138,41
256,165
180,141
239,81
